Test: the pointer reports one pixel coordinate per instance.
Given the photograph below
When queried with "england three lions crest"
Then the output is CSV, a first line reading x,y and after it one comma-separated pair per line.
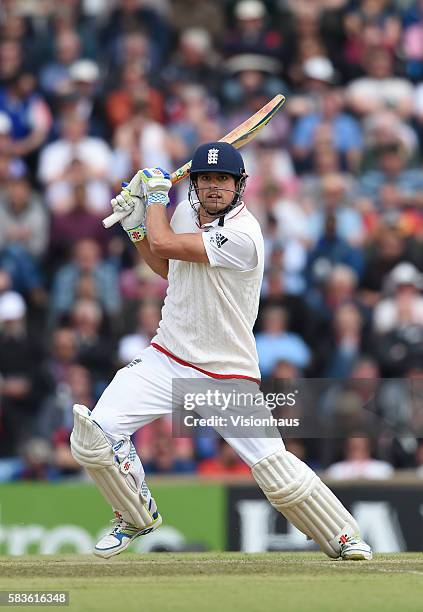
x,y
213,156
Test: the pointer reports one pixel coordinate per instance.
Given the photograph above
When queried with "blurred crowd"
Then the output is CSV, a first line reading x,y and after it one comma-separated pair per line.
x,y
92,90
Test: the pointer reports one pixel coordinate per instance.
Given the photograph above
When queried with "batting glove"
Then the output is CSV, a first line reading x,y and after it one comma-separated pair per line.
x,y
132,201
157,184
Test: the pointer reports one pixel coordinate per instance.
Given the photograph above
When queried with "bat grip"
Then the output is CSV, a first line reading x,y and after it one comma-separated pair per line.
x,y
114,218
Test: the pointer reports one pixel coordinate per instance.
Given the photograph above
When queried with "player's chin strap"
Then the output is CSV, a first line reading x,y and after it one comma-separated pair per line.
x,y
299,494
113,469
236,200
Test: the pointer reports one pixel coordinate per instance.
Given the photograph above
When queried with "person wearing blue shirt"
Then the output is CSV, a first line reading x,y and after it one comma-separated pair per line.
x,y
344,131
276,344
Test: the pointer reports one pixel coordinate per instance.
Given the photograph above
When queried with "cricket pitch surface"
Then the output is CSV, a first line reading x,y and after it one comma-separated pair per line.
x,y
221,582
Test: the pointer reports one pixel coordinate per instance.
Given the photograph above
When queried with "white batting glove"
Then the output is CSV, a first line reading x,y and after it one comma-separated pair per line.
x,y
132,201
157,184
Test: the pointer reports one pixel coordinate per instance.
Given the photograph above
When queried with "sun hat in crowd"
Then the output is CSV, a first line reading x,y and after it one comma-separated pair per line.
x,y
405,273
12,306
319,68
250,9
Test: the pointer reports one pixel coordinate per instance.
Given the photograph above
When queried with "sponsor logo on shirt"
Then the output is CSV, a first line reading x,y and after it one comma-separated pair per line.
x,y
134,362
218,239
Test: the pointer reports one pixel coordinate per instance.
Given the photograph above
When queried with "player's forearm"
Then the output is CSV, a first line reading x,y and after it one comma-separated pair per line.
x,y
159,265
160,234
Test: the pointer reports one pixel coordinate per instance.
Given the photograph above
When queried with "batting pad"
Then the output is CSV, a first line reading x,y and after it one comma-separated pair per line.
x,y
299,494
91,449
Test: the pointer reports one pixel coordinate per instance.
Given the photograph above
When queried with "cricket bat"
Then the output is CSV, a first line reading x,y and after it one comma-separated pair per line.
x,y
238,137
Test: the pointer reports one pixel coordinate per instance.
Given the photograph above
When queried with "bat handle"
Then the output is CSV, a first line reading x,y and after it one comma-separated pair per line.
x,y
175,177
113,219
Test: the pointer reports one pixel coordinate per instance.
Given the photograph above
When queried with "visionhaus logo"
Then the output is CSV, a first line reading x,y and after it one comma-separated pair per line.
x,y
239,421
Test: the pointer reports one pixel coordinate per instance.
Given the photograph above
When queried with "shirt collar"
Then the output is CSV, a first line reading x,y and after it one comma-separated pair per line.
x,y
228,216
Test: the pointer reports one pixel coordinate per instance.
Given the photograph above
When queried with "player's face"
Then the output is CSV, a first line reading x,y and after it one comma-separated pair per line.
x,y
215,190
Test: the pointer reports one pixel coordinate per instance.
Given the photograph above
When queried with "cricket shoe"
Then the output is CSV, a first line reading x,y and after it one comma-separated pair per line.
x,y
122,535
353,548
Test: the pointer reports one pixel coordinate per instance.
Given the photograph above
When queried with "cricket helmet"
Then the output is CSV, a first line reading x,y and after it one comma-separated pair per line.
x,y
218,157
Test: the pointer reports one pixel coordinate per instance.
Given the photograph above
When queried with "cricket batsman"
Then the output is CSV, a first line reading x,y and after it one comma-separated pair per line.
x,y
211,252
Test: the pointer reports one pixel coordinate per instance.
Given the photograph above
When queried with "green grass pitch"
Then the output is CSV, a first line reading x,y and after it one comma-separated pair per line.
x,y
222,582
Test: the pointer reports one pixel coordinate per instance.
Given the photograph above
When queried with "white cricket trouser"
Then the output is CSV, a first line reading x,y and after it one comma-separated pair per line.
x,y
142,392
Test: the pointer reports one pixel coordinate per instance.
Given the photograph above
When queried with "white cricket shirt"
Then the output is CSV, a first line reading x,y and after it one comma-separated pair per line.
x,y
210,309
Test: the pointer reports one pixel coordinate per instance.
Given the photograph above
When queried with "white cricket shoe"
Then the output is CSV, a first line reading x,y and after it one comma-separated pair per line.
x,y
122,535
353,548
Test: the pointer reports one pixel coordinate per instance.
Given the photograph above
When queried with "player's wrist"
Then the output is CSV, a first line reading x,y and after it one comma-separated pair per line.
x,y
157,197
137,234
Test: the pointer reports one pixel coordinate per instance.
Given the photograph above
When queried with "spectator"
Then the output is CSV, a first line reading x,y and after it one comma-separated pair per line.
x,y
11,166
11,58
23,380
141,142
250,75
86,263
189,14
274,294
289,212
37,460
78,223
124,96
63,354
55,77
194,109
385,129
331,124
275,343
330,250
412,38
56,419
85,85
125,25
351,404
23,218
333,198
325,161
95,351
196,60
57,169
148,319
388,249
271,165
347,339
338,289
162,453
405,306
226,463
370,22
251,33
31,117
307,44
380,88
392,184
358,463
24,272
